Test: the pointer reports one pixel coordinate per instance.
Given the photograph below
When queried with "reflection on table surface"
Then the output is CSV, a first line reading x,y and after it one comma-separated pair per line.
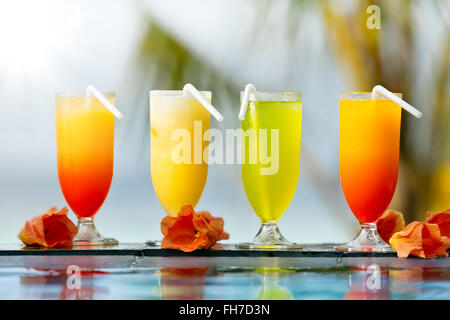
x,y
137,277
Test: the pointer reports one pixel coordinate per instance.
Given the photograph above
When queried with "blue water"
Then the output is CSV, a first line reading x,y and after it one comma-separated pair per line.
x,y
339,282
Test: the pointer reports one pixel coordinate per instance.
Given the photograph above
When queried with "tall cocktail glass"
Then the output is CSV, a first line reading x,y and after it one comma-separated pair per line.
x,y
369,156
85,148
271,161
177,142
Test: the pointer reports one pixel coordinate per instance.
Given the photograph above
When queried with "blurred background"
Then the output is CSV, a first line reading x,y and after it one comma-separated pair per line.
x,y
320,48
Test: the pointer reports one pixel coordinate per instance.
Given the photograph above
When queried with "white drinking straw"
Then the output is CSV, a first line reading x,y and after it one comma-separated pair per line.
x,y
249,88
402,103
189,88
92,90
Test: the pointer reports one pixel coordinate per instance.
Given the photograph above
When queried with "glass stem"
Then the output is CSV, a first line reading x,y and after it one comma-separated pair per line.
x,y
369,232
269,233
86,229
369,238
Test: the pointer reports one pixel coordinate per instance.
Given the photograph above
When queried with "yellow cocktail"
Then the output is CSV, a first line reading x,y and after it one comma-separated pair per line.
x,y
85,147
271,161
177,145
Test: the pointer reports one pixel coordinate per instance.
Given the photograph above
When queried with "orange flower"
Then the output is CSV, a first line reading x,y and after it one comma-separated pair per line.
x,y
216,224
389,223
420,239
51,229
190,230
442,219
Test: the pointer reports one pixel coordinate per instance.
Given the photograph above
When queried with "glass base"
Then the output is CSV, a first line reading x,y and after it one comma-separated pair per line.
x,y
269,237
367,240
88,235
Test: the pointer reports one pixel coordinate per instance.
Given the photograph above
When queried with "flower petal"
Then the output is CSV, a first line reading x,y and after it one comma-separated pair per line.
x,y
389,223
420,239
28,236
190,230
53,228
216,224
442,219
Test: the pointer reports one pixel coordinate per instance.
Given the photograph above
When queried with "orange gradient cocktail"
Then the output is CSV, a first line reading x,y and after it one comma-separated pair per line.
x,y
369,156
85,144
